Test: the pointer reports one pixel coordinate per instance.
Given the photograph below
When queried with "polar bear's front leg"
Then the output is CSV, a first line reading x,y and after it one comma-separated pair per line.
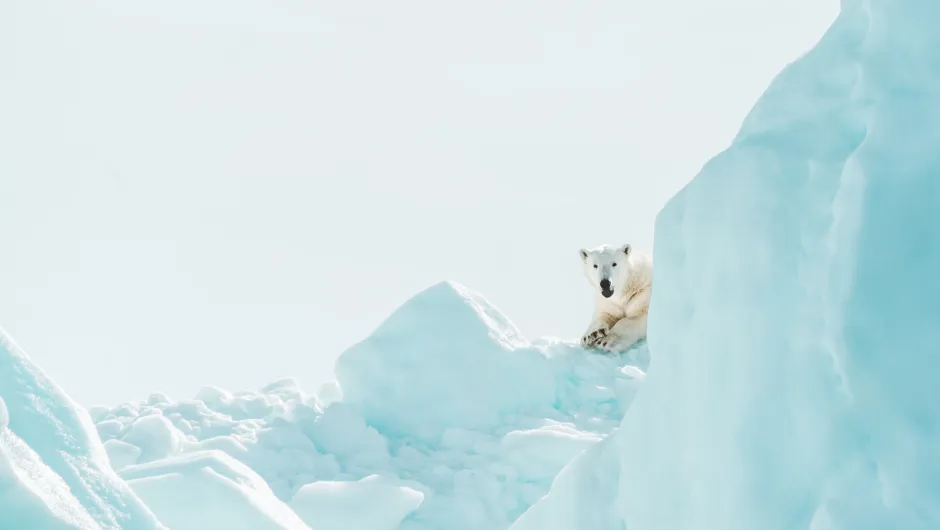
x,y
623,335
598,329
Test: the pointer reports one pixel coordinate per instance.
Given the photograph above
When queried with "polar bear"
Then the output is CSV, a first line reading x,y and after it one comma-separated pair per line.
x,y
622,280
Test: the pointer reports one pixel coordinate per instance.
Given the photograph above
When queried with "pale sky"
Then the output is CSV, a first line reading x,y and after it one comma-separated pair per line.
x,y
231,192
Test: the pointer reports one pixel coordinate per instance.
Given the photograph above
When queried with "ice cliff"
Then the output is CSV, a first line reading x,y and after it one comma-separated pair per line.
x,y
795,323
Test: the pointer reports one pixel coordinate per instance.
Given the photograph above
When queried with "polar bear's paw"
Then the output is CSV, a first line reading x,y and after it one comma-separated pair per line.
x,y
606,342
614,343
593,338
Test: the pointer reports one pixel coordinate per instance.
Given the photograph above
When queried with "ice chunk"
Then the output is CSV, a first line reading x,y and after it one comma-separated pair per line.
x,y
372,503
544,451
583,494
121,454
110,428
328,393
794,327
213,395
155,435
53,460
342,431
551,400
415,372
209,489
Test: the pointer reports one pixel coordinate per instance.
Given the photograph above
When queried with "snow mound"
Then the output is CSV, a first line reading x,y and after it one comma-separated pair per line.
x,y
449,340
54,472
795,319
445,416
209,489
373,503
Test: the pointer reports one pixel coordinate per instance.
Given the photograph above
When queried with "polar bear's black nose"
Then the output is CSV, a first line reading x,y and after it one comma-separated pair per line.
x,y
605,285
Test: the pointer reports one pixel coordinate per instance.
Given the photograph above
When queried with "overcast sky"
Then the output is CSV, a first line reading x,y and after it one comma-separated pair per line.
x,y
231,192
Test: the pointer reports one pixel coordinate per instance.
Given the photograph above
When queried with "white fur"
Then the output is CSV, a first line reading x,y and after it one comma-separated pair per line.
x,y
619,320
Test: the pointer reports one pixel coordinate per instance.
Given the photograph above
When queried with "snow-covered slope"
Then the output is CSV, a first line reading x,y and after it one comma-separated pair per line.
x,y
795,326
444,418
54,473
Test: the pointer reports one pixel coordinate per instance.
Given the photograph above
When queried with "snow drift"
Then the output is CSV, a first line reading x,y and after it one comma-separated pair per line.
x,y
795,326
444,418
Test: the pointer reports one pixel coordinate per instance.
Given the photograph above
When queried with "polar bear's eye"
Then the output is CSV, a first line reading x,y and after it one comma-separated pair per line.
x,y
595,266
615,264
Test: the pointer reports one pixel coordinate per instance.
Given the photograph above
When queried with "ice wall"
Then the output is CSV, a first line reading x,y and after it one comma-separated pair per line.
x,y
795,323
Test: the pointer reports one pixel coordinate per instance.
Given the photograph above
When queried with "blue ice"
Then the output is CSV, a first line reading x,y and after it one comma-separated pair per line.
x,y
795,322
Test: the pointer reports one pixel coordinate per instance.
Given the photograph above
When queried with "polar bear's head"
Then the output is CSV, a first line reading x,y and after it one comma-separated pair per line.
x,y
607,268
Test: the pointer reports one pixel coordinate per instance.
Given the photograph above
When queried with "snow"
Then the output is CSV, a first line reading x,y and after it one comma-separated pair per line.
x,y
582,495
155,437
121,454
32,495
209,489
793,327
54,472
443,417
372,503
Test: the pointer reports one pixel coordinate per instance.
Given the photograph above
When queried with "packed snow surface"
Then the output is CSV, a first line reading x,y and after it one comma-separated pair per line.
x,y
795,325
445,417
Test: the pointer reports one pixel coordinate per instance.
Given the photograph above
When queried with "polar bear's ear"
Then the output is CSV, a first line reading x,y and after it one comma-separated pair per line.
x,y
625,249
584,255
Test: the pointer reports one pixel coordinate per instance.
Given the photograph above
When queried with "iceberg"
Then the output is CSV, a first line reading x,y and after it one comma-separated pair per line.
x,y
795,322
